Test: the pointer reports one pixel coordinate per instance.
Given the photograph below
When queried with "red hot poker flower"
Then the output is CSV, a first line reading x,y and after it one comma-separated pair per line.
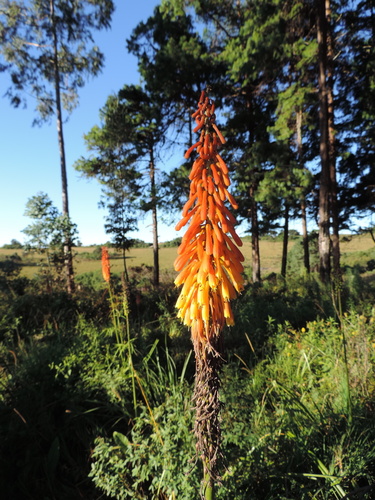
x,y
209,261
106,267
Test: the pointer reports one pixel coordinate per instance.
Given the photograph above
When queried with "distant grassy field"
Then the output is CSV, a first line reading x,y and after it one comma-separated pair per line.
x,y
355,250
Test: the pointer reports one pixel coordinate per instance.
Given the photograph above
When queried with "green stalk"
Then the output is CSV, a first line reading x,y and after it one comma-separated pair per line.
x,y
208,484
338,307
130,349
129,345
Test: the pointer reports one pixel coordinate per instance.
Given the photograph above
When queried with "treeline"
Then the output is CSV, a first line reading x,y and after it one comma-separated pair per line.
x,y
294,86
293,82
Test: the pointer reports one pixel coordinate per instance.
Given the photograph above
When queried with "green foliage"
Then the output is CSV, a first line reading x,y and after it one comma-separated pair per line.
x,y
49,228
153,460
130,134
14,244
172,243
91,404
306,433
46,427
137,243
95,254
48,234
10,280
120,221
295,255
58,40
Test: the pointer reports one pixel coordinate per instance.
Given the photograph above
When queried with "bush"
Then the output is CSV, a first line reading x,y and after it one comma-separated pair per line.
x,y
298,424
153,460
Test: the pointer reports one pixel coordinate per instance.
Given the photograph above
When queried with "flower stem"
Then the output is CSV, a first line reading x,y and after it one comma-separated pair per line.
x,y
208,485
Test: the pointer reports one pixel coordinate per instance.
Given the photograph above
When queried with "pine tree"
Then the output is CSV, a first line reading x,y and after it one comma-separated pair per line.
x,y
357,125
47,48
126,147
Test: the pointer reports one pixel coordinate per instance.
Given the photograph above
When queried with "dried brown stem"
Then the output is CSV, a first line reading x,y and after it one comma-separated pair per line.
x,y
207,407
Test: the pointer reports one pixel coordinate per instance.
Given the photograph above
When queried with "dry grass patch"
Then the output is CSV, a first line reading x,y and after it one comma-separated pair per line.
x,y
355,249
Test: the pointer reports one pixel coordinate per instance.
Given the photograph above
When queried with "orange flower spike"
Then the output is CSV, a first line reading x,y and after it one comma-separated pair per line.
x,y
106,266
209,266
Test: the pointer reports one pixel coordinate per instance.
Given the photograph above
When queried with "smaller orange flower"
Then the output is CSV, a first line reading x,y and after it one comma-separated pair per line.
x,y
106,267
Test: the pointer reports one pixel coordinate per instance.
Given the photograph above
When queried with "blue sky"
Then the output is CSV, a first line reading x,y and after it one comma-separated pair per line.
x,y
29,157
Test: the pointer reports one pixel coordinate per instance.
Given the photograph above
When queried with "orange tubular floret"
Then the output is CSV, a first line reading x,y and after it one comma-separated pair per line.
x,y
199,126
229,215
218,233
226,180
185,220
191,149
204,206
220,135
196,166
234,249
222,194
211,209
230,198
206,144
235,236
208,247
222,164
210,185
182,260
216,246
188,204
218,200
215,174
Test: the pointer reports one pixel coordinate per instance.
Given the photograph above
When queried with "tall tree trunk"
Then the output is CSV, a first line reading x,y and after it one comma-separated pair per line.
x,y
68,259
254,237
324,189
305,237
332,146
284,258
126,275
155,239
